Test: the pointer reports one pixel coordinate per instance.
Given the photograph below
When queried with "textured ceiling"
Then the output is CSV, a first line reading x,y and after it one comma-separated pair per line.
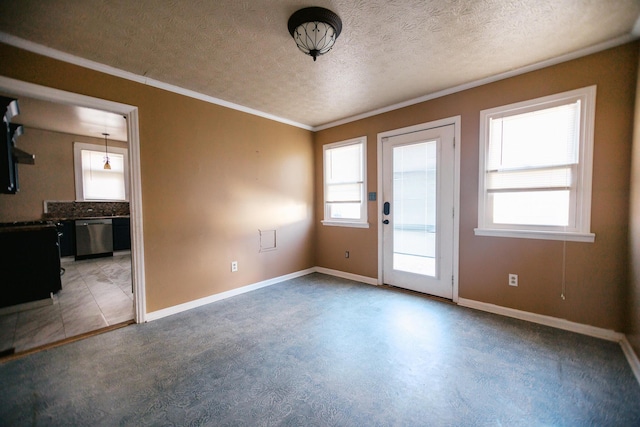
x,y
390,51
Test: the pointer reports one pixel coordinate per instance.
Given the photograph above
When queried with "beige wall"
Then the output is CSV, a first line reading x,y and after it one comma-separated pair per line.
x,y
51,178
596,273
633,297
211,178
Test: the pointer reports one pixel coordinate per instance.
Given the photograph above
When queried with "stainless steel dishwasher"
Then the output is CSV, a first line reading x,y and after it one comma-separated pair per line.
x,y
94,237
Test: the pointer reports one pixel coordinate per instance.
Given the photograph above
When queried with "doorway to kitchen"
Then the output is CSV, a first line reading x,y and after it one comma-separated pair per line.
x,y
418,185
125,271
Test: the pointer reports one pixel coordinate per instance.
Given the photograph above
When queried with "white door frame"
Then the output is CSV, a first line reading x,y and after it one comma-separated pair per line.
x,y
456,122
17,87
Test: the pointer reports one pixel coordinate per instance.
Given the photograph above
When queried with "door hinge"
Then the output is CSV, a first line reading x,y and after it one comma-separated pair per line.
x,y
452,277
454,142
453,212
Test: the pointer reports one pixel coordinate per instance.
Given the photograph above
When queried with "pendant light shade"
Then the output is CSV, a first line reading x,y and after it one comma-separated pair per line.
x,y
107,165
315,30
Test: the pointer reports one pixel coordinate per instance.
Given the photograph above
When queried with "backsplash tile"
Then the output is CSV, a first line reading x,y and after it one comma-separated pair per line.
x,y
55,209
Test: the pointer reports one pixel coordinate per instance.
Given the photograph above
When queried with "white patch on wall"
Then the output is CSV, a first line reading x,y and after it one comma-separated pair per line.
x,y
267,240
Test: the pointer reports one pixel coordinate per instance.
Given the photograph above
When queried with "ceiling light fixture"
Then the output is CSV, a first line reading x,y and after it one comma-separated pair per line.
x,y
315,30
107,165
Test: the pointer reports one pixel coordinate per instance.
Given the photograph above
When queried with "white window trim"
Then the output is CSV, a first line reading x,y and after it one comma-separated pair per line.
x,y
582,232
363,222
77,167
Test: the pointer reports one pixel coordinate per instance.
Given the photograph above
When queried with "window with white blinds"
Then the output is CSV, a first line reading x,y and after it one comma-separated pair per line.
x,y
535,167
100,183
344,183
93,181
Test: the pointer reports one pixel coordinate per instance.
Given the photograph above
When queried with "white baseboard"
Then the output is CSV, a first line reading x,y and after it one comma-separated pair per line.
x,y
631,356
592,331
606,334
554,322
344,275
155,315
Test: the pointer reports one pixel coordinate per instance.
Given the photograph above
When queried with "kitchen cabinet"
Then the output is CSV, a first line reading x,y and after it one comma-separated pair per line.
x,y
121,234
30,263
67,238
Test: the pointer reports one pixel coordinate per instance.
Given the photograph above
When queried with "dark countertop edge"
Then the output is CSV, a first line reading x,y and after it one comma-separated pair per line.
x,y
32,227
73,218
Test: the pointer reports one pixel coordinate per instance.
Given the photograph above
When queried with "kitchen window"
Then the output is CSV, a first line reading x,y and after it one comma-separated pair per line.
x,y
536,166
344,183
93,182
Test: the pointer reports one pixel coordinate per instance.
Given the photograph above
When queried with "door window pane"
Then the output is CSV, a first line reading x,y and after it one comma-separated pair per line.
x,y
414,208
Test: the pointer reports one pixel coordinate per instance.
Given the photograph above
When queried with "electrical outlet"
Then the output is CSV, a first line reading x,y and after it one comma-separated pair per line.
x,y
513,280
346,254
234,266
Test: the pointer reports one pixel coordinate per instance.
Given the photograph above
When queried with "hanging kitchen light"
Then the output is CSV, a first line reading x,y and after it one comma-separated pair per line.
x,y
315,30
107,165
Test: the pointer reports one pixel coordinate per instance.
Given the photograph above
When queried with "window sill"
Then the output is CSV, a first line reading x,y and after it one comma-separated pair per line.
x,y
543,235
352,224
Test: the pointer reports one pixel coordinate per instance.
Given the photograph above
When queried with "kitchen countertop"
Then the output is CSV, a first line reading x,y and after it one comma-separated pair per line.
x,y
25,225
48,222
86,217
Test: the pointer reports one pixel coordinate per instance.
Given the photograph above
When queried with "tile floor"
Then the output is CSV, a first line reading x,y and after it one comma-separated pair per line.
x,y
95,293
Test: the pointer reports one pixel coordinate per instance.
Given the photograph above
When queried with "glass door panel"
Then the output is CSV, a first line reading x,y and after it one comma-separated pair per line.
x,y
414,201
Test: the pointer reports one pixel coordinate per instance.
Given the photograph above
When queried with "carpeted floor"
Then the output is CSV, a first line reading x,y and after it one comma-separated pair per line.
x,y
323,351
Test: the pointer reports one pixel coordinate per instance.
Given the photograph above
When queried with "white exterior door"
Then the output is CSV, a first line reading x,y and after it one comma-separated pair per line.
x,y
418,210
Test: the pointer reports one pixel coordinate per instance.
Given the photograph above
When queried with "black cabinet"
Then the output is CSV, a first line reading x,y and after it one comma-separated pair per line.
x,y
67,232
121,234
30,263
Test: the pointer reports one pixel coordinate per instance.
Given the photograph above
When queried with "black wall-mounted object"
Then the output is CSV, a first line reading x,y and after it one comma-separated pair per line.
x,y
8,167
10,155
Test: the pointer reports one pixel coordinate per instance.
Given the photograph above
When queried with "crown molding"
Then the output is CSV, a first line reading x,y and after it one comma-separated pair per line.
x,y
96,66
533,67
106,69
